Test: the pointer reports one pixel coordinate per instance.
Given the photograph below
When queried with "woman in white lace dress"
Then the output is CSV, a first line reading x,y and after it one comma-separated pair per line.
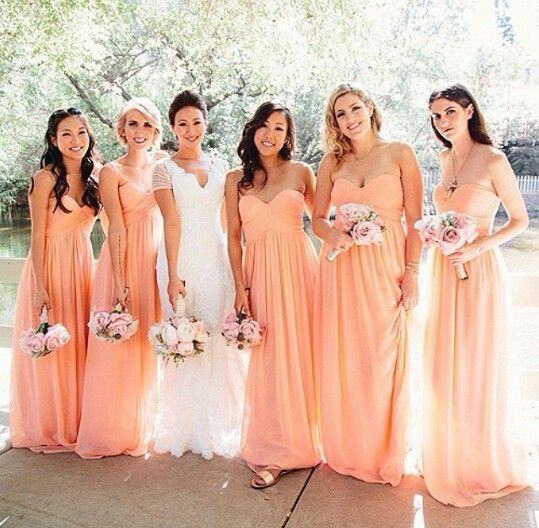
x,y
200,401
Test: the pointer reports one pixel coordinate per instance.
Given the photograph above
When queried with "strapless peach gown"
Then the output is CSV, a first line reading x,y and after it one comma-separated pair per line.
x,y
361,343
280,265
46,392
119,401
468,452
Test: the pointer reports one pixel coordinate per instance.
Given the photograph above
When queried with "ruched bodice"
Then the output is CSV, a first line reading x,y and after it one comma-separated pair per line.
x,y
383,193
283,214
79,219
470,198
137,203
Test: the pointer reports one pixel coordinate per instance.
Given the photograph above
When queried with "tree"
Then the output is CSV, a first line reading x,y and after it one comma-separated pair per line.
x,y
97,54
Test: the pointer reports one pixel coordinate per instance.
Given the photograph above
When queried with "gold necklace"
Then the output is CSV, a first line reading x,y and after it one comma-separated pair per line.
x,y
450,189
364,158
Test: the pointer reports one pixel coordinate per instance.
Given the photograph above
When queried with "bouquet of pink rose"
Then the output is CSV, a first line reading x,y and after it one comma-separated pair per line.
x,y
448,231
45,339
114,326
179,337
362,223
241,330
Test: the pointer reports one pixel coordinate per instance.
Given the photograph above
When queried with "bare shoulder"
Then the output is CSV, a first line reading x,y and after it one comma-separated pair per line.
x,y
328,162
492,154
109,173
44,178
301,168
398,149
495,160
234,176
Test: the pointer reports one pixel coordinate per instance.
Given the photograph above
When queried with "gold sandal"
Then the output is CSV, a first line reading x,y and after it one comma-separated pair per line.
x,y
268,477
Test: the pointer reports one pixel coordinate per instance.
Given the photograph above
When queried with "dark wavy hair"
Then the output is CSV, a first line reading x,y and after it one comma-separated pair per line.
x,y
247,151
184,99
53,157
476,124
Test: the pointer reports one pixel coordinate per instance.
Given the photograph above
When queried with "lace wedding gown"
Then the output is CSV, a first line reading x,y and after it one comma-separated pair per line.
x,y
200,401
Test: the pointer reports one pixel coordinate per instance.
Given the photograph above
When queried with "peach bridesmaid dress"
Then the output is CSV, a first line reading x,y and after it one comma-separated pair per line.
x,y
46,392
468,453
119,400
361,343
280,265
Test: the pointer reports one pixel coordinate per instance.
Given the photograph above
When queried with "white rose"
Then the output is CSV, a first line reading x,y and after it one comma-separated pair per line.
x,y
169,336
185,331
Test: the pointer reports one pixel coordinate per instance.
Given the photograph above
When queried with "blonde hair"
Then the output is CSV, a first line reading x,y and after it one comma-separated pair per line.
x,y
146,107
334,140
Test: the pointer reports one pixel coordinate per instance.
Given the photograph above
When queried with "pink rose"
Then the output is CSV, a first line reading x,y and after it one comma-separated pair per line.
x,y
460,221
121,324
56,337
451,240
231,318
230,330
52,341
467,225
430,231
34,343
250,329
60,332
366,233
185,349
98,321
346,220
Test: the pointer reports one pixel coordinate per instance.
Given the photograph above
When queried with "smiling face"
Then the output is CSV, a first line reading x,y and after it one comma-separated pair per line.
x,y
449,118
139,131
189,127
270,138
353,116
71,138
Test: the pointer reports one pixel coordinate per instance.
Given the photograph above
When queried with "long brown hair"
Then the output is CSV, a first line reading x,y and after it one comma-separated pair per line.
x,y
334,140
476,124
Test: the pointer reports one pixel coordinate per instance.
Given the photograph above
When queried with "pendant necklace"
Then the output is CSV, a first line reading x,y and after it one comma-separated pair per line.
x,y
450,189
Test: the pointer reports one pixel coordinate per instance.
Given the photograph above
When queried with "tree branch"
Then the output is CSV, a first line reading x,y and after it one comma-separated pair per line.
x,y
240,90
86,98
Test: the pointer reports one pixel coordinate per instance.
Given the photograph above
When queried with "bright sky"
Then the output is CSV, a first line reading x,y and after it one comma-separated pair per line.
x,y
525,15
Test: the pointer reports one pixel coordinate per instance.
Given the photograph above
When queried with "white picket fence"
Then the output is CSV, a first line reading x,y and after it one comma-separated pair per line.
x,y
528,184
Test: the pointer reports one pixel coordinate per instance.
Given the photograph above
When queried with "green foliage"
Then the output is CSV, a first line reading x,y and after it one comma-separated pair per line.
x,y
96,54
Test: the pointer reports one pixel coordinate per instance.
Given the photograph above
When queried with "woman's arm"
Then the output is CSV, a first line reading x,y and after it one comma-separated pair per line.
x,y
322,203
506,186
38,201
172,233
109,183
235,250
308,177
412,188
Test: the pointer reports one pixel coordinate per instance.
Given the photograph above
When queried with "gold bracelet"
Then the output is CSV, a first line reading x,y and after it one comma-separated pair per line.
x,y
412,266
